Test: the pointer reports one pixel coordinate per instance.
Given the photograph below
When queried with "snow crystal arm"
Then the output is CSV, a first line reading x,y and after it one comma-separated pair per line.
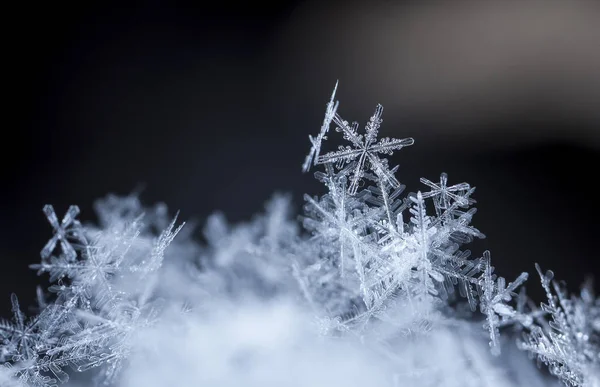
x,y
373,125
388,145
349,131
343,155
315,149
387,199
158,249
57,267
380,167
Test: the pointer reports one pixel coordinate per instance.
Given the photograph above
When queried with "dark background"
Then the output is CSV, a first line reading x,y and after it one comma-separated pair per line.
x,y
211,107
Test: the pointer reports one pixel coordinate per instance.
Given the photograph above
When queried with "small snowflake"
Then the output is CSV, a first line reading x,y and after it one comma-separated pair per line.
x,y
442,194
21,337
69,228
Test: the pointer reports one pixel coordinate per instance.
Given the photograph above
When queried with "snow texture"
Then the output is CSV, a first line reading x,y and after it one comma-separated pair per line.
x,y
373,286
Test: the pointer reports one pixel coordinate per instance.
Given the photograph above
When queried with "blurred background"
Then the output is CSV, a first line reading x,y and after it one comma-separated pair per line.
x,y
210,108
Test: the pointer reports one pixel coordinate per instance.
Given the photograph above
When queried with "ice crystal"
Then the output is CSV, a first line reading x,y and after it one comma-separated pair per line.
x,y
373,280
364,149
570,342
315,149
496,294
68,228
418,264
95,310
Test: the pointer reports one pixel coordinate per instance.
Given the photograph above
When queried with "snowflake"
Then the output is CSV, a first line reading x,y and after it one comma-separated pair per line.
x,y
20,337
496,295
365,149
443,194
375,267
69,228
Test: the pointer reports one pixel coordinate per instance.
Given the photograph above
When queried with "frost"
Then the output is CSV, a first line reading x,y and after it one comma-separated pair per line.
x,y
418,264
373,286
103,295
569,343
